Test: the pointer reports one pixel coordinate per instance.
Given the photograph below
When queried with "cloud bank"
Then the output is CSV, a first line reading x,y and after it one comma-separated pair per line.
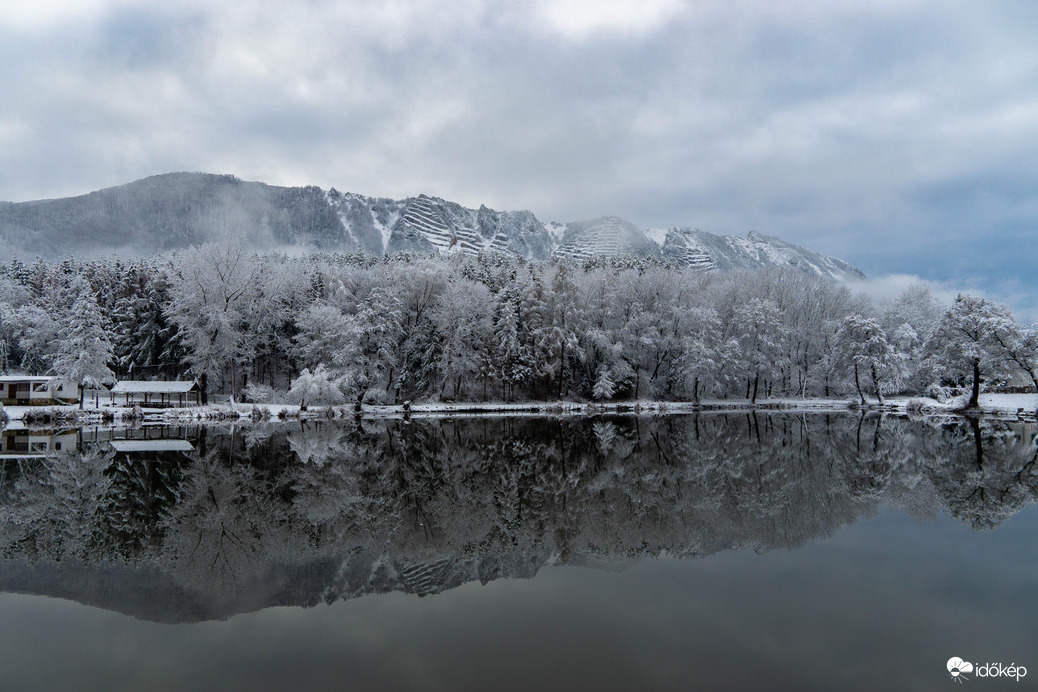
x,y
900,136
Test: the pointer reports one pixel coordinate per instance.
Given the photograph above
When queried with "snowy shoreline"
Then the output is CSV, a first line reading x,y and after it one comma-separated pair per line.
x,y
999,406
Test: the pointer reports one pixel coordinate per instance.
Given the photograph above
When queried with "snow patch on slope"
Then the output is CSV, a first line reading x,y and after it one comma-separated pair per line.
x,y
555,230
657,235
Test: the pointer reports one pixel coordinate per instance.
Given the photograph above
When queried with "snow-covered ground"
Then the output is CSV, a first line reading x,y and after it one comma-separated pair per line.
x,y
995,405
991,404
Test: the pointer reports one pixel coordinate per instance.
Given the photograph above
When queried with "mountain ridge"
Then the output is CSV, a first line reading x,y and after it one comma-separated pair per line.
x,y
177,210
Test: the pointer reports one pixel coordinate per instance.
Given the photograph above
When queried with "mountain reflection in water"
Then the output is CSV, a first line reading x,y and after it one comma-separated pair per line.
x,y
213,522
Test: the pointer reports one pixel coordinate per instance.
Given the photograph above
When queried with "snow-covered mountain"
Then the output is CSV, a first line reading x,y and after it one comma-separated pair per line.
x,y
179,210
695,248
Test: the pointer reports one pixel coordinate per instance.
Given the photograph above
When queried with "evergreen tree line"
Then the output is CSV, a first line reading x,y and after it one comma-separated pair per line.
x,y
338,328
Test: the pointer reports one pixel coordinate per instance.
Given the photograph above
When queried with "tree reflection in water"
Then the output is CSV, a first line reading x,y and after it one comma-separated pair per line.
x,y
328,510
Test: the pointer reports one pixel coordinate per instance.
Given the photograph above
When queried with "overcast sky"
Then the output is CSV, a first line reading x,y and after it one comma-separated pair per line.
x,y
900,135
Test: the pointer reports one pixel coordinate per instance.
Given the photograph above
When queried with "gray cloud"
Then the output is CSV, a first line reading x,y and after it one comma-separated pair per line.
x,y
898,135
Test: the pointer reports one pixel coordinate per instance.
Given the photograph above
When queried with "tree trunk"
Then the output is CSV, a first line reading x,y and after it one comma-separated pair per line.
x,y
978,442
659,362
80,396
875,383
203,384
975,394
857,383
562,363
756,384
1034,379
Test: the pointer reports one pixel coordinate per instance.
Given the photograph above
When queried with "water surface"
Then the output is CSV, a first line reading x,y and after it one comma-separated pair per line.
x,y
735,551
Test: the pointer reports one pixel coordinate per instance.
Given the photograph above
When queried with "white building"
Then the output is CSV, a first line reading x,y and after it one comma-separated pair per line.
x,y
36,444
32,390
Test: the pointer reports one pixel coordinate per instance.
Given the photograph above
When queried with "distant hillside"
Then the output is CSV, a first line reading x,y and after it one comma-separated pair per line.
x,y
173,211
179,210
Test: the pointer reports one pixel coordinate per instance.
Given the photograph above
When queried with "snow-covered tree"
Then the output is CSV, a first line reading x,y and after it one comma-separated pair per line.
x,y
375,331
651,321
863,344
84,349
909,321
916,307
409,326
604,387
39,325
8,335
702,354
462,320
283,292
12,297
142,332
963,347
38,333
321,334
511,358
562,341
318,387
212,288
1019,347
760,331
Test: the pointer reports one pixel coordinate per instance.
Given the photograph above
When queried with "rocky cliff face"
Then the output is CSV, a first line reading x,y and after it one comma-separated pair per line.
x,y
694,248
179,210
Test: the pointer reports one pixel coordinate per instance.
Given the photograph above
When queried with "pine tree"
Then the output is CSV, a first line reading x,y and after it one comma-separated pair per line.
x,y
85,350
604,387
512,360
142,330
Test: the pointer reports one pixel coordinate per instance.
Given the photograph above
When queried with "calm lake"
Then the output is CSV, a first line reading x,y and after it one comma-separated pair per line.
x,y
718,551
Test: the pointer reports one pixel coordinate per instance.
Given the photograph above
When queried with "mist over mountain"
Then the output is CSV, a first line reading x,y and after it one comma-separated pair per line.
x,y
180,210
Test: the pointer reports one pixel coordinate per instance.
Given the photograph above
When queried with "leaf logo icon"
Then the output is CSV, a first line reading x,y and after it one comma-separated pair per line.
x,y
957,667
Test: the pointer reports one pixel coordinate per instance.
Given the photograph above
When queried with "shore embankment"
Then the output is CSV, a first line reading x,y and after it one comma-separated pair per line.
x,y
1000,406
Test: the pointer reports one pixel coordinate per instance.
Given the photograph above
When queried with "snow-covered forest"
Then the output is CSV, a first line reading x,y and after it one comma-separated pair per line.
x,y
342,328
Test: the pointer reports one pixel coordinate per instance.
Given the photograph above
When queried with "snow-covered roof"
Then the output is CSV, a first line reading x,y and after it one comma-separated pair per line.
x,y
154,387
29,378
151,445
